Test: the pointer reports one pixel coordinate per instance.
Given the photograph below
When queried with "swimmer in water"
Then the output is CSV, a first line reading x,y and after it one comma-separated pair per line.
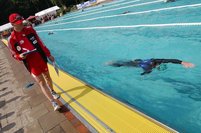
x,y
50,33
126,12
149,64
169,1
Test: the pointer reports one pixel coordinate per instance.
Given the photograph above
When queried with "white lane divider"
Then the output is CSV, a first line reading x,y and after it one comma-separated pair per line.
x,y
98,7
124,27
103,8
88,11
134,13
141,4
114,9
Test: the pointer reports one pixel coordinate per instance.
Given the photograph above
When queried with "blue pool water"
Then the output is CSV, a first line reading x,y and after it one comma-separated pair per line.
x,y
173,96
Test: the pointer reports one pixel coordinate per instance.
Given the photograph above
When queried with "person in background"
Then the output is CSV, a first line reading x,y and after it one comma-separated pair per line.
x,y
25,39
50,33
169,1
126,12
149,64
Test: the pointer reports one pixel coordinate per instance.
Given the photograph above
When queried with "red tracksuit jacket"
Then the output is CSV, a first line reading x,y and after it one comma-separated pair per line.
x,y
34,61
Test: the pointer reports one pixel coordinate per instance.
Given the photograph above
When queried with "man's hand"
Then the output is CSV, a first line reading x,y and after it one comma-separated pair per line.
x,y
51,58
187,64
22,56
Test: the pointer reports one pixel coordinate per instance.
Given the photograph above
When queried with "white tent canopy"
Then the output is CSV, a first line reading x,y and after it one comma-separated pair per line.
x,y
85,4
99,1
5,27
51,11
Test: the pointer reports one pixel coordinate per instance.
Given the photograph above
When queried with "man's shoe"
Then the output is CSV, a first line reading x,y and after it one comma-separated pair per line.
x,y
55,95
55,106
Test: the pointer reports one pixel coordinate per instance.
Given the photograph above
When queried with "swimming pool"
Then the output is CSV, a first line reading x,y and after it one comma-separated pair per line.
x,y
83,42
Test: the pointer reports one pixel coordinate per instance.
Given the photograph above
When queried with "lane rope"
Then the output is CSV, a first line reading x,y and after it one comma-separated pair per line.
x,y
101,8
125,27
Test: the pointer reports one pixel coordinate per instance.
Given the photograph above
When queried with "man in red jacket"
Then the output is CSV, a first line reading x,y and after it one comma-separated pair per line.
x,y
21,42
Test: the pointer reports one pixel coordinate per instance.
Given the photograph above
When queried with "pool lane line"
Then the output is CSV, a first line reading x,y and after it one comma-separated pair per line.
x,y
125,27
103,8
85,110
141,4
98,7
79,13
120,15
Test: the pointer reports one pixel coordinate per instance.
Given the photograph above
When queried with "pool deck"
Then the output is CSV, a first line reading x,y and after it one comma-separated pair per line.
x,y
99,112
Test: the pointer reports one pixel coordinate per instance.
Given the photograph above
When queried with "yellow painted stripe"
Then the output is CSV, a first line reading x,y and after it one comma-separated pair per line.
x,y
114,114
117,116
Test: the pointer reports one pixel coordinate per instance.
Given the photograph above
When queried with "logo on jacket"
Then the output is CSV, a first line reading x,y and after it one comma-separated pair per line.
x,y
32,38
21,41
34,41
18,48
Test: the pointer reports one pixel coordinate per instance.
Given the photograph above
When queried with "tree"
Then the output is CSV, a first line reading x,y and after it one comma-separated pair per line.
x,y
57,2
35,3
29,7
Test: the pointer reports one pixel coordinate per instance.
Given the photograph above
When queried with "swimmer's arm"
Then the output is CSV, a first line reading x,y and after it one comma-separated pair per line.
x,y
174,61
146,72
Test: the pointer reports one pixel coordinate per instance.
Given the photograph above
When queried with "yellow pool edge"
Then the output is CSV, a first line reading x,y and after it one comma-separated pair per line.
x,y
101,111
